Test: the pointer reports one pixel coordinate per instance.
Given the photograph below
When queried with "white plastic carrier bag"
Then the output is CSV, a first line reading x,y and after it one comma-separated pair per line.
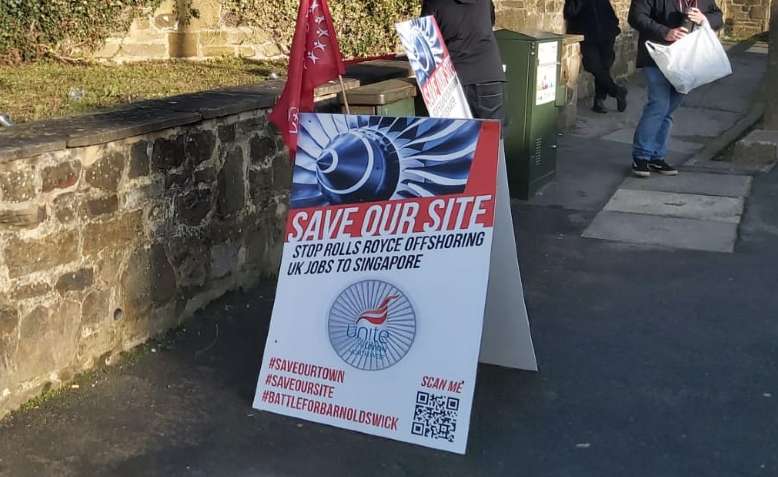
x,y
693,61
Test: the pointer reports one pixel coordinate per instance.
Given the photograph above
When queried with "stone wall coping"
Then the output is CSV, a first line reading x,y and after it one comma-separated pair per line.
x,y
35,138
571,39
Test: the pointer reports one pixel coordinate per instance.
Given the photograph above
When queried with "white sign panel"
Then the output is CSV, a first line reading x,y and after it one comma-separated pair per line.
x,y
506,339
380,303
429,58
547,72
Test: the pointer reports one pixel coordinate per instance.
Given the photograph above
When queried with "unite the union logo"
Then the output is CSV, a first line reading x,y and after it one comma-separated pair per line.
x,y
372,325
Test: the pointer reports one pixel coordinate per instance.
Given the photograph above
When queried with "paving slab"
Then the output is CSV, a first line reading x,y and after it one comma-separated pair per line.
x,y
759,147
590,124
668,204
588,171
705,112
702,164
626,135
733,93
654,230
760,48
694,183
702,122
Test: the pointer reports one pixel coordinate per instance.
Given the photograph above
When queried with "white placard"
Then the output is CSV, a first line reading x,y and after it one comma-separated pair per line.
x,y
431,63
507,339
399,269
380,303
547,72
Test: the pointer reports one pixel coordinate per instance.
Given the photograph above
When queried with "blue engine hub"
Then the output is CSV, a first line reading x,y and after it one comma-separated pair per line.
x,y
370,169
425,58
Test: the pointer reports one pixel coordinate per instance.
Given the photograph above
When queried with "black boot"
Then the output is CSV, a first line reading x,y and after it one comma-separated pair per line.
x,y
599,106
621,99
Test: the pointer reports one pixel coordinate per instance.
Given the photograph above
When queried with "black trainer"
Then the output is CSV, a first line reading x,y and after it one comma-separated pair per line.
x,y
599,106
621,99
661,167
640,168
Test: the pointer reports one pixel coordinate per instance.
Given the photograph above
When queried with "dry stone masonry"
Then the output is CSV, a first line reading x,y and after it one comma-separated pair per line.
x,y
117,226
547,15
212,32
129,231
745,18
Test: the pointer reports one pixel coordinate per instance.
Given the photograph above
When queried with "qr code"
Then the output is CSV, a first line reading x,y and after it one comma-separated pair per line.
x,y
435,416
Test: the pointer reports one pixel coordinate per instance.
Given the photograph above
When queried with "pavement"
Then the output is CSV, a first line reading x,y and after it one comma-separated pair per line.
x,y
655,360
703,207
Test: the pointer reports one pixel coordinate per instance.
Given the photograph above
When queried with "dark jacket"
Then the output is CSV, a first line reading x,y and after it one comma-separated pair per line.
x,y
594,19
654,18
466,26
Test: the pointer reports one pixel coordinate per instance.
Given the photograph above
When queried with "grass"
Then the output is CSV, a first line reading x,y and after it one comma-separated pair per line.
x,y
31,92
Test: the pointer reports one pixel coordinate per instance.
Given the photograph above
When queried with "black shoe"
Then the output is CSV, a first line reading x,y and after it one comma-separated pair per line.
x,y
599,106
640,168
661,167
621,99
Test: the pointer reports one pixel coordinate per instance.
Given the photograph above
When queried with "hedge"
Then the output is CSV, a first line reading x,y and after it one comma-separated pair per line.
x,y
365,27
29,29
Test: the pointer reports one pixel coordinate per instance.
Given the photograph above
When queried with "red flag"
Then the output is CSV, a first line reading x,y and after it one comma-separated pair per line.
x,y
313,60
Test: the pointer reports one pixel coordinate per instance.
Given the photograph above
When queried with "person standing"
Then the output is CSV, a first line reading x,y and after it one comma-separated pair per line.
x,y
599,25
467,29
662,21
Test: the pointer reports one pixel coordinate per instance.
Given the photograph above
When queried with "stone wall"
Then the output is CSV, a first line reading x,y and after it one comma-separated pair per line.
x,y
116,227
214,32
745,18
543,15
548,15
164,34
571,76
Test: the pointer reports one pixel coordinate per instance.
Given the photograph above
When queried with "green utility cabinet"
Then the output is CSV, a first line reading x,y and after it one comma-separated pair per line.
x,y
394,98
532,62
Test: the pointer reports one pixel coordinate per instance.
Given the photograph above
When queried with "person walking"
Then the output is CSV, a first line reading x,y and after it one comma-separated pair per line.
x,y
599,25
662,21
467,28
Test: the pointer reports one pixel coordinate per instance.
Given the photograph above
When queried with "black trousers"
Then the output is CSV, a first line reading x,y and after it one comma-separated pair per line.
x,y
487,100
598,58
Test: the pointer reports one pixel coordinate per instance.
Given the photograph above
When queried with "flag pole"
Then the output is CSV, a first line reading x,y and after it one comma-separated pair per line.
x,y
345,98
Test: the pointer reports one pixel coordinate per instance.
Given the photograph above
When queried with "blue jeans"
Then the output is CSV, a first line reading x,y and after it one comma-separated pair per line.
x,y
653,131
